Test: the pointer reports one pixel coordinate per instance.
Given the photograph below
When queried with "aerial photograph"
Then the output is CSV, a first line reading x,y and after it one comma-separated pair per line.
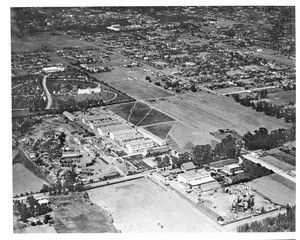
x,y
153,119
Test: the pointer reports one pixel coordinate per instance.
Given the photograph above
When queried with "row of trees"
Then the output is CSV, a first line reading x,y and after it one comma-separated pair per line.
x,y
288,113
282,223
263,139
205,154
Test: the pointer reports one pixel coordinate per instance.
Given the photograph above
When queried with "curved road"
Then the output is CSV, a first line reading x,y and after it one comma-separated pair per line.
x,y
47,93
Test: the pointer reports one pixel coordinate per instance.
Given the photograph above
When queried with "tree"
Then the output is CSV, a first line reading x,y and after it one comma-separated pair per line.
x,y
47,217
203,154
45,188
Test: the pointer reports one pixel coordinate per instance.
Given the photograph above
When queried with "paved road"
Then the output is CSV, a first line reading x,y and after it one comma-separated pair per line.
x,y
269,166
47,93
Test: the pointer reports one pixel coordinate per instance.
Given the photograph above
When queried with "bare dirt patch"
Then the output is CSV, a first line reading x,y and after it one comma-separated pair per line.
x,y
142,206
76,214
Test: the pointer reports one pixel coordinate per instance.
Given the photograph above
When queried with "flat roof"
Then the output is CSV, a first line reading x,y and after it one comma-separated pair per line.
x,y
115,127
122,131
202,180
94,117
233,166
188,165
201,173
106,123
138,142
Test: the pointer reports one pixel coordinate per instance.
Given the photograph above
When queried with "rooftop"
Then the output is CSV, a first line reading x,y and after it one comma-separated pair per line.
x,y
188,166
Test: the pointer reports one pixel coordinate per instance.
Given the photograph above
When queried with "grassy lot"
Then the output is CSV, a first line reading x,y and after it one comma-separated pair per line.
x,y
76,214
209,113
25,181
282,156
137,87
289,184
229,90
155,116
278,163
123,110
282,97
139,113
160,130
142,206
183,133
274,190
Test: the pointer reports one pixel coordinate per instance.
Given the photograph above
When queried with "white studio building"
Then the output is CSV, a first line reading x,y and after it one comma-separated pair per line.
x,y
89,90
53,69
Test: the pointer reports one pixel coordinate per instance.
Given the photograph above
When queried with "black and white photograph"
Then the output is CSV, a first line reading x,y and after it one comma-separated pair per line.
x,y
152,119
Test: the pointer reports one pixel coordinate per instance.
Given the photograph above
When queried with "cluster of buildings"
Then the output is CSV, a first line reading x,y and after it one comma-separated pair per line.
x,y
32,62
132,139
193,178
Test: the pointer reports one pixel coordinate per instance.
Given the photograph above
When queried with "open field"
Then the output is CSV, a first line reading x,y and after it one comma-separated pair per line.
x,y
229,90
289,184
76,214
290,159
183,133
43,39
155,116
130,202
38,229
282,97
274,190
123,110
139,113
210,113
160,130
137,87
278,163
25,181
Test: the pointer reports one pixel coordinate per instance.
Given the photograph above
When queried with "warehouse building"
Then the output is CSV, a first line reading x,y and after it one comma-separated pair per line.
x,y
233,168
151,136
124,133
103,123
200,178
138,146
94,118
105,131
